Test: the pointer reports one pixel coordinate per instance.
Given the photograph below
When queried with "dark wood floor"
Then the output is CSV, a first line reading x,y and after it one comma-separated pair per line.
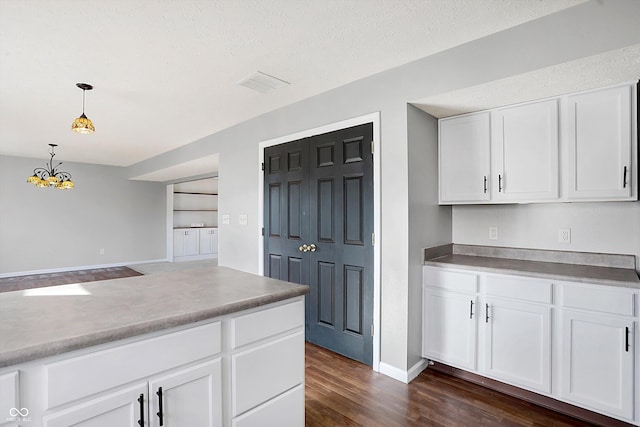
x,y
342,392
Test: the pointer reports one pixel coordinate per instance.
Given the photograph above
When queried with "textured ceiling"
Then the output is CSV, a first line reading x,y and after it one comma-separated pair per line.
x,y
166,72
622,65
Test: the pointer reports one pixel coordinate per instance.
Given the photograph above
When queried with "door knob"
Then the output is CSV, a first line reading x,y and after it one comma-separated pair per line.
x,y
303,248
312,247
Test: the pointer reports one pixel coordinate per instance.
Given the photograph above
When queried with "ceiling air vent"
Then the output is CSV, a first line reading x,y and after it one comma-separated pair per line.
x,y
262,82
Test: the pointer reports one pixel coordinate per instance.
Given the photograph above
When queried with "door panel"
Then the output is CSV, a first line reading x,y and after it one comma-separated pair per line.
x,y
324,196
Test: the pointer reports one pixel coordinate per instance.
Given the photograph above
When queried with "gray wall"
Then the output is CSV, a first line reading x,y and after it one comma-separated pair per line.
x,y
429,224
575,33
45,229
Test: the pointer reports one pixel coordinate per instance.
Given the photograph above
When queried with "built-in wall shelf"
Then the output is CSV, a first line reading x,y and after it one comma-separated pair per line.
x,y
195,202
188,192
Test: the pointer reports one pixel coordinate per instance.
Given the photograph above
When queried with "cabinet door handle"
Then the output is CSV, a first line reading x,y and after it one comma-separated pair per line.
x,y
626,339
141,402
486,313
160,413
499,183
471,309
624,177
485,184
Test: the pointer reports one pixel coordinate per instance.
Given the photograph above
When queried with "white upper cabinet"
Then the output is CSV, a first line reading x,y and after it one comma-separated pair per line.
x,y
525,152
600,145
586,141
464,156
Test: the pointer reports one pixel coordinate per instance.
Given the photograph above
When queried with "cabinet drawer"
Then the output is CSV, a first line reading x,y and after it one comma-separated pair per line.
x,y
285,410
266,323
605,299
451,280
521,288
265,371
84,375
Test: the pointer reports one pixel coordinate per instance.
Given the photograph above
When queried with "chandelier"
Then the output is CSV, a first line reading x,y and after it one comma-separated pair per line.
x,y
83,124
51,176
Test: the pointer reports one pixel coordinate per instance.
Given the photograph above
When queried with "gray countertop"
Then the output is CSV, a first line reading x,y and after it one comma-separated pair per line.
x,y
585,267
43,322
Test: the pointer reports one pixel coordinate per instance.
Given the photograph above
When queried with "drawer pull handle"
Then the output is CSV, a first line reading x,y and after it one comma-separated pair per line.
x,y
485,184
471,310
160,413
624,177
486,313
141,402
499,183
626,339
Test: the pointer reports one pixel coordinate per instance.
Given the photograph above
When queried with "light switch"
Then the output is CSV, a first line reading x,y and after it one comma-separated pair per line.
x,y
242,219
226,219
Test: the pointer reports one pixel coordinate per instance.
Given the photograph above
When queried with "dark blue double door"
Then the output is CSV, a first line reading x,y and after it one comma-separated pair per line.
x,y
318,216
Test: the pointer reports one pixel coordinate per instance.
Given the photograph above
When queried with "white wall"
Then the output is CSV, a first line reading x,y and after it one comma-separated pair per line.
x,y
429,224
612,227
48,229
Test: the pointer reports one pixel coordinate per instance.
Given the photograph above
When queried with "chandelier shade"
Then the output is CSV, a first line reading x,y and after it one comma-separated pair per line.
x,y
83,124
50,176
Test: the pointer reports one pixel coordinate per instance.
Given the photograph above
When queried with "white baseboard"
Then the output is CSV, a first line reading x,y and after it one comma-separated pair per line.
x,y
401,375
82,267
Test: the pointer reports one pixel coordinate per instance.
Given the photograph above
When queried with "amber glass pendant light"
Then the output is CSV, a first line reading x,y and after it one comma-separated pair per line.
x,y
51,176
83,124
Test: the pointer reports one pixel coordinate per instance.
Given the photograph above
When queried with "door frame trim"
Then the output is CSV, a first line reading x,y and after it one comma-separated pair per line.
x,y
368,118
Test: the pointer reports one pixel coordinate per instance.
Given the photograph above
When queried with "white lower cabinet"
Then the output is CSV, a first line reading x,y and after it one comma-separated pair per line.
x,y
185,242
208,241
195,243
599,355
518,343
575,342
450,327
190,376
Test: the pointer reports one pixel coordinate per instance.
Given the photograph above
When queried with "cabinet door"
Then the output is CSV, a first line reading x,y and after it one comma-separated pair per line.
x,y
597,362
189,397
463,159
191,242
120,408
178,242
518,343
208,241
599,163
449,327
525,150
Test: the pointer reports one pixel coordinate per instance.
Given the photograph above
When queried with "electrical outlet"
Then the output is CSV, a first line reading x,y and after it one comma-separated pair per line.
x,y
101,251
493,233
564,235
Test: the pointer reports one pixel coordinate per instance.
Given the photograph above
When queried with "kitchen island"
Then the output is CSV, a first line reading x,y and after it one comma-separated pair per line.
x,y
210,346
